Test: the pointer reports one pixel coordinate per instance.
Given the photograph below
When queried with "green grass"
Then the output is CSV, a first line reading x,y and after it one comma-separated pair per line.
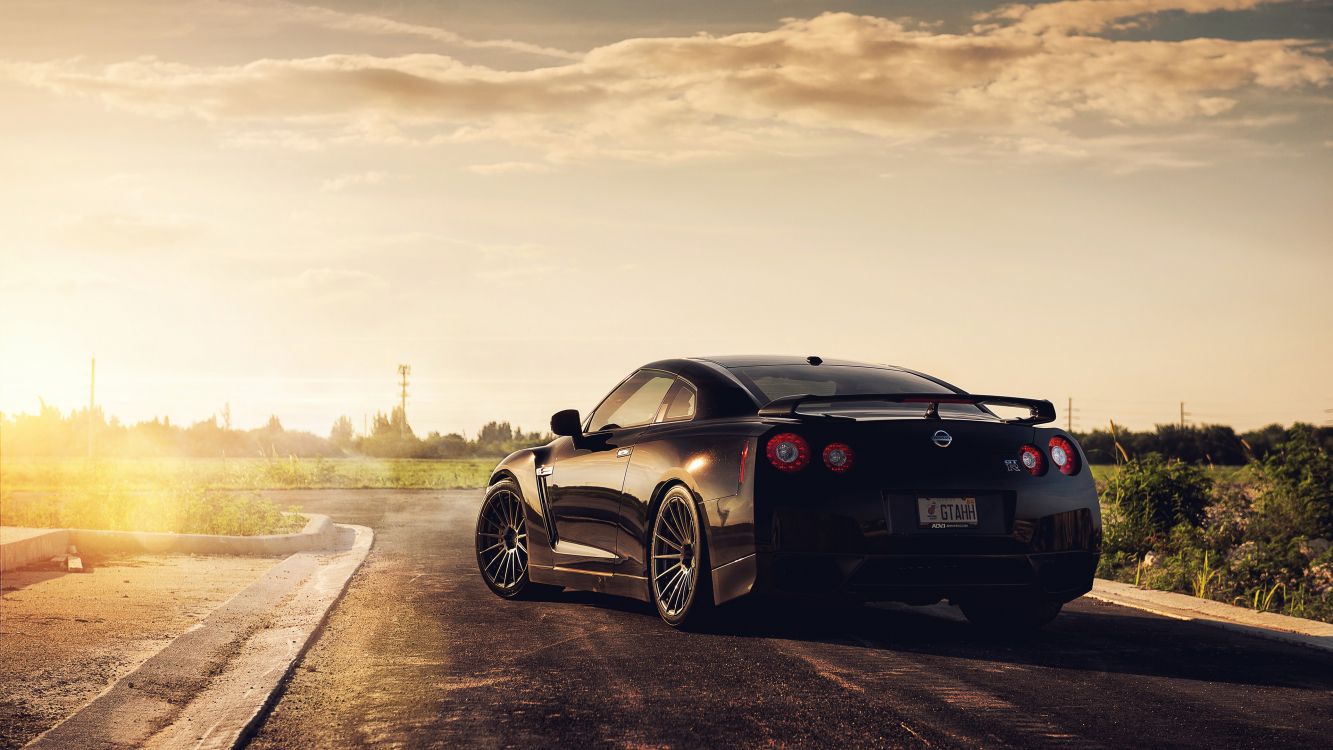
x,y
201,496
45,475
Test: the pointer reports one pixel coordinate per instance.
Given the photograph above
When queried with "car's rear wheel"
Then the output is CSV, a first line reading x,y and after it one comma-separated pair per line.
x,y
679,580
1010,616
502,541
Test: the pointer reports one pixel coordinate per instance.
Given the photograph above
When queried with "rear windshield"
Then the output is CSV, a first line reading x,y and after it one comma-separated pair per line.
x,y
771,382
775,381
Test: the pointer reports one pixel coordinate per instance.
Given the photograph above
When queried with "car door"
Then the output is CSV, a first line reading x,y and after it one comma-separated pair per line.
x,y
584,487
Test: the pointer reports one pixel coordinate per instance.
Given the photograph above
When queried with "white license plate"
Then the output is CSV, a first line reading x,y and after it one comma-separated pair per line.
x,y
946,512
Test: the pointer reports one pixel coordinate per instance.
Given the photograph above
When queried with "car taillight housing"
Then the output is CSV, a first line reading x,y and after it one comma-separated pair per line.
x,y
1064,456
1032,460
788,451
838,457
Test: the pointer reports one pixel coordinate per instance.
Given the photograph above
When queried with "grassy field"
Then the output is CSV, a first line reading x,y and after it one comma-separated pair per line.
x,y
200,496
46,475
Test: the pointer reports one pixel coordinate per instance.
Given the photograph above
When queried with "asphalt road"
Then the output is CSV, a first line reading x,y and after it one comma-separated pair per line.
x,y
421,654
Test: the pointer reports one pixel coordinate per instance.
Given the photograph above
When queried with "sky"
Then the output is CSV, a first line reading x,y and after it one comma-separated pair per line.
x,y
1126,203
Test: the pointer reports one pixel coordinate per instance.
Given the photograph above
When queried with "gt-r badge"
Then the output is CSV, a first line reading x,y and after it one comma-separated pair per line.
x,y
941,438
1012,464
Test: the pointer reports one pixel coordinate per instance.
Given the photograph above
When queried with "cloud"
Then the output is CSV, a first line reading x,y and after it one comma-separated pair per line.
x,y
509,167
1029,73
130,232
345,181
1099,15
370,24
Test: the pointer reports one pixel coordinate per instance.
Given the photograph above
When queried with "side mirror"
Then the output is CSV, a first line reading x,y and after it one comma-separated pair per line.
x,y
567,423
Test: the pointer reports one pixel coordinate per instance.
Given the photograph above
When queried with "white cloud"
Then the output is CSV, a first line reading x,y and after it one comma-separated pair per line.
x,y
509,167
345,181
1031,72
1098,15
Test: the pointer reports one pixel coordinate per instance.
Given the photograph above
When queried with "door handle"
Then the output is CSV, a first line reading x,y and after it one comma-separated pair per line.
x,y
624,452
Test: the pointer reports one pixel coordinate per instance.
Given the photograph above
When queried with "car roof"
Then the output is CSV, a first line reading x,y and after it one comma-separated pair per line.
x,y
758,360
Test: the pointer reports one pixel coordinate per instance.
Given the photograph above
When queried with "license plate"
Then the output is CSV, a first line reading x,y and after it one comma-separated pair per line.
x,y
946,512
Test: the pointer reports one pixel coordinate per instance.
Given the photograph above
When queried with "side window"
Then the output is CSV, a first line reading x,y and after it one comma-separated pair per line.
x,y
680,405
634,403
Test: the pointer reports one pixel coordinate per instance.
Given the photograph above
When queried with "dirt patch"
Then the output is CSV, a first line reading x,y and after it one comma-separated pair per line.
x,y
64,637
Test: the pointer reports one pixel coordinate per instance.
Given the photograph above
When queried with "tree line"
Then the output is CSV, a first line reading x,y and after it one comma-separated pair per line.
x,y
1202,444
52,433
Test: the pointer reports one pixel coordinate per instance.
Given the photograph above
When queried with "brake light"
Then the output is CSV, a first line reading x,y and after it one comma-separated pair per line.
x,y
1064,456
788,452
1032,460
838,457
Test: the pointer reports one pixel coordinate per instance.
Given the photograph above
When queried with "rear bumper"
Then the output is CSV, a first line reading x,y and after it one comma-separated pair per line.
x,y
1057,576
915,579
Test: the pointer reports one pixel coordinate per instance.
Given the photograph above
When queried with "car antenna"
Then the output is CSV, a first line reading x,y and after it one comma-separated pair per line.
x,y
814,360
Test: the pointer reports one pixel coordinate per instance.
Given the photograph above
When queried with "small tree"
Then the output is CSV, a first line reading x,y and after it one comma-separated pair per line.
x,y
342,433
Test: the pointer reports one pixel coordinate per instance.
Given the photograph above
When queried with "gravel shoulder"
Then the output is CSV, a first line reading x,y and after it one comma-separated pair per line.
x,y
64,637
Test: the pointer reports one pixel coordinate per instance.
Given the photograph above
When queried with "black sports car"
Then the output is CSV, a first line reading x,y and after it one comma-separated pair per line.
x,y
700,481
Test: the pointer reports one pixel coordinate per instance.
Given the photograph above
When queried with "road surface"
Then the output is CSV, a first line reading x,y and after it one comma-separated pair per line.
x,y
421,654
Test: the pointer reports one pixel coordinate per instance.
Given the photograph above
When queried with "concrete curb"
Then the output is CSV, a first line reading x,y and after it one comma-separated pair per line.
x,y
319,534
212,686
20,546
1295,630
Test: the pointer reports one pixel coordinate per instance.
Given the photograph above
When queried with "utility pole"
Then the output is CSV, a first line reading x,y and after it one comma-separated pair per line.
x,y
1069,415
403,372
1182,415
92,401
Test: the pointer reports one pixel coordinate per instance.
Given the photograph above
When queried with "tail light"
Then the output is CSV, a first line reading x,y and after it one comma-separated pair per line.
x,y
788,452
1064,456
838,457
1032,460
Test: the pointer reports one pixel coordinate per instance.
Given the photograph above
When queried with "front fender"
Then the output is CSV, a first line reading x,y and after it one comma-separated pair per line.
x,y
521,466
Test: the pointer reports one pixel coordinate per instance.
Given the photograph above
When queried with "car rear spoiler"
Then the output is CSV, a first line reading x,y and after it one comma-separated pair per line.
x,y
1040,411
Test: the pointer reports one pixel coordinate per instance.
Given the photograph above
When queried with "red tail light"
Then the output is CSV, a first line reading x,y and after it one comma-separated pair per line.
x,y
1032,460
788,452
838,457
1064,456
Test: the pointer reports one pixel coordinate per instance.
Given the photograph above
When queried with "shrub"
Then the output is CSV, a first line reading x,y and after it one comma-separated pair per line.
x,y
1149,497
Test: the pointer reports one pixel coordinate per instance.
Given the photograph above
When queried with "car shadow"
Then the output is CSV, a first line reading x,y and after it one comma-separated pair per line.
x,y
1087,636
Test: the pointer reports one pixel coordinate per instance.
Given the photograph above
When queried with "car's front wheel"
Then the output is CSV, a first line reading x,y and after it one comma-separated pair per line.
x,y
679,580
502,541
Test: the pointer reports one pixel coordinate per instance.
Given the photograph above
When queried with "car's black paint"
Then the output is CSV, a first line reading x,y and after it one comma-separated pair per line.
x,y
814,531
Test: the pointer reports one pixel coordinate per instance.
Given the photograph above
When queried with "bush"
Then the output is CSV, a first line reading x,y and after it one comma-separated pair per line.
x,y
1149,497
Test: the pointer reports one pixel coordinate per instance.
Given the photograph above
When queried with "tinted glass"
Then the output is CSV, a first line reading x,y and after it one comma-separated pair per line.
x,y
682,404
776,381
634,403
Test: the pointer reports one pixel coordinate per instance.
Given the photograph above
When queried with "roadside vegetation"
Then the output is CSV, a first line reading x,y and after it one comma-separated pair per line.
x,y
1256,535
200,496
182,510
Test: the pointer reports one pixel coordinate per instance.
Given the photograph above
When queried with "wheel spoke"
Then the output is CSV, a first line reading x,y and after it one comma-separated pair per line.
x,y
668,570
664,593
670,543
686,527
670,517
493,546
